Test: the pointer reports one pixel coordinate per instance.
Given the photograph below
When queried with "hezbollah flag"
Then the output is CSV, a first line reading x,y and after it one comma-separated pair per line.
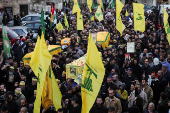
x,y
42,22
6,44
59,26
39,63
119,25
47,94
139,19
166,24
93,74
89,4
76,7
52,13
79,21
66,22
99,14
51,92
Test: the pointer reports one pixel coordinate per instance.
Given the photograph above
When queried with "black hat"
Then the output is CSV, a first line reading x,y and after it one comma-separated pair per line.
x,y
75,99
10,93
4,108
111,108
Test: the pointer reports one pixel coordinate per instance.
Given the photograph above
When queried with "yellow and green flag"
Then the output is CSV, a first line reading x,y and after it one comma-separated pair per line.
x,y
99,14
80,25
93,74
76,7
91,17
51,92
56,93
139,19
89,4
59,26
166,24
47,94
39,63
119,25
66,22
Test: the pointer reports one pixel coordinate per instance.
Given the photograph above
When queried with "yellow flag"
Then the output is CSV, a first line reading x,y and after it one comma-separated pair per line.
x,y
99,14
93,74
76,8
47,95
139,19
59,26
100,2
92,18
66,22
166,24
56,93
89,4
119,25
80,25
126,14
39,63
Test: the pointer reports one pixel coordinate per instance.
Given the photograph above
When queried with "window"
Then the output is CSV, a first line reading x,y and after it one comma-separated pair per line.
x,y
20,31
13,33
28,18
29,26
37,25
36,18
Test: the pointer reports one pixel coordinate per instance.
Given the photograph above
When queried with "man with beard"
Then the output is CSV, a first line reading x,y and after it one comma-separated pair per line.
x,y
99,108
106,87
112,101
128,78
146,69
24,104
13,106
10,77
148,90
164,62
116,80
151,108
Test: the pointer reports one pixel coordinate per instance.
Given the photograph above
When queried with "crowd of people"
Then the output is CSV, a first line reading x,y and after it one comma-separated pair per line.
x,y
137,84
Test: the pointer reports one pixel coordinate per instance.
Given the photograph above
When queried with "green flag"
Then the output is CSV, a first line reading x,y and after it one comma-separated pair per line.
x,y
6,43
111,3
93,5
42,22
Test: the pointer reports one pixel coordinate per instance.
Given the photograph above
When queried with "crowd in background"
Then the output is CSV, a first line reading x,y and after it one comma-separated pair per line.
x,y
138,84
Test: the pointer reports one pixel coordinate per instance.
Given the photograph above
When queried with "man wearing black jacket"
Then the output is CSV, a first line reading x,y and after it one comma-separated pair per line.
x,y
99,108
13,106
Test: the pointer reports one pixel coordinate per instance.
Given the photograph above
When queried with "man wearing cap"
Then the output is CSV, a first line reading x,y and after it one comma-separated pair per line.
x,y
98,108
74,107
128,78
4,109
111,110
13,106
